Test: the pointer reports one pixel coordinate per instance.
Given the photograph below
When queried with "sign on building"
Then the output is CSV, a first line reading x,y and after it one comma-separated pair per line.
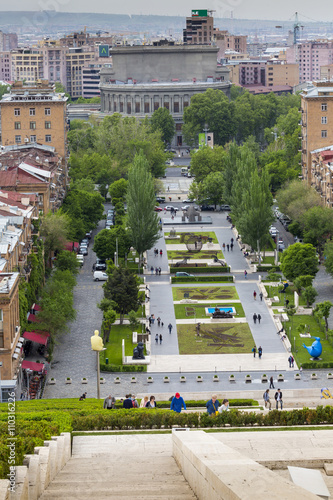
x,y
202,140
103,51
199,13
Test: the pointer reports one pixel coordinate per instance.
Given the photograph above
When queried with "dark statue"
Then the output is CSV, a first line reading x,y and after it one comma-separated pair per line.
x,y
221,314
138,351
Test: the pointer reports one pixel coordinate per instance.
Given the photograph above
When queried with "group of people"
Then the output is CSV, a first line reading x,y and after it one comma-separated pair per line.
x,y
254,350
156,252
277,397
177,402
214,407
229,246
256,317
158,270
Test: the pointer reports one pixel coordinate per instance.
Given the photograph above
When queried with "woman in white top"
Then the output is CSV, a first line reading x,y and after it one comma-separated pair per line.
x,y
144,401
225,406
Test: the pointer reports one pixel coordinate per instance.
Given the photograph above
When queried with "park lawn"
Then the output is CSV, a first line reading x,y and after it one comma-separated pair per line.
x,y
203,254
213,293
178,241
273,291
300,354
191,311
113,347
217,338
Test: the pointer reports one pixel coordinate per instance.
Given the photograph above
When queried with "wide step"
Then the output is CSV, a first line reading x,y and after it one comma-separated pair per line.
x,y
120,467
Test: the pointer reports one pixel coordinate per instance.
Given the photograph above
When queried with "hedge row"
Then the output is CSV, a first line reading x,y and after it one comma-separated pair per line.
x,y
122,368
33,428
201,279
317,364
201,269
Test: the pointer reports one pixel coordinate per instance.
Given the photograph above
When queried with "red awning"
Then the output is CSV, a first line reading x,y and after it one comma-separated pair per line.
x,y
33,318
72,245
31,365
40,338
36,307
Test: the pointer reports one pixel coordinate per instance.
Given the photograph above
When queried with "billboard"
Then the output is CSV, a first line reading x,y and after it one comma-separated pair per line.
x,y
199,13
103,51
202,140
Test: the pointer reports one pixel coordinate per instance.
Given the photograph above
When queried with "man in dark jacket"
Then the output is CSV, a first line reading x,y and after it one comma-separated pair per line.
x,y
128,402
278,399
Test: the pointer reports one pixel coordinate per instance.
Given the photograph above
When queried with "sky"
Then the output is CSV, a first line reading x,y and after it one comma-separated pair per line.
x,y
241,9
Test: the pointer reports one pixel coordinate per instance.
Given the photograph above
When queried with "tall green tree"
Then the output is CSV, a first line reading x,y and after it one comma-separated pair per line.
x,y
213,188
206,161
55,230
142,221
105,242
118,189
328,252
84,210
108,320
317,225
162,121
66,260
122,288
299,260
324,308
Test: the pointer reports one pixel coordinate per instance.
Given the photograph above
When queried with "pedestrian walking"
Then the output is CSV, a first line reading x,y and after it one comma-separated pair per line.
x,y
231,246
156,338
259,318
271,383
278,399
255,295
232,240
261,295
161,253
245,274
228,247
177,403
158,321
254,350
292,361
149,319
162,324
159,271
170,327
289,360
161,338
152,270
156,271
260,351
267,399
255,317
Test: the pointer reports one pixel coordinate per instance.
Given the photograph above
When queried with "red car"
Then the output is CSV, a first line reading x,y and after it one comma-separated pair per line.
x,y
158,209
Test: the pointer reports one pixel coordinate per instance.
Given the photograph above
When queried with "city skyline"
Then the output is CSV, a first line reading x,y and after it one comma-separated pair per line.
x,y
239,9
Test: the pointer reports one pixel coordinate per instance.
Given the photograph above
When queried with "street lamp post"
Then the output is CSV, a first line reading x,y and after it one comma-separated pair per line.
x,y
98,346
28,372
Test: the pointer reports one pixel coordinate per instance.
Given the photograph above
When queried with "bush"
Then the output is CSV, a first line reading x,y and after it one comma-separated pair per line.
x,y
122,368
201,269
317,365
201,279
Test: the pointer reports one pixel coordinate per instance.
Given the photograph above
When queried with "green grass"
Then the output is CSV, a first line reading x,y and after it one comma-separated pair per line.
x,y
213,293
218,338
113,347
178,241
300,354
273,291
186,311
203,254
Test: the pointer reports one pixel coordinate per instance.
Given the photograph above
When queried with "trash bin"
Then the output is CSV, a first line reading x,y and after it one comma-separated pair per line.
x,y
106,361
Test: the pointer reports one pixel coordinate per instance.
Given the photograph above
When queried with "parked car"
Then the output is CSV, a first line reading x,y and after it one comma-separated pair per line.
x,y
169,208
186,207
85,241
188,201
207,208
225,208
273,231
100,276
100,265
158,209
83,250
89,235
184,275
160,200
80,259
281,245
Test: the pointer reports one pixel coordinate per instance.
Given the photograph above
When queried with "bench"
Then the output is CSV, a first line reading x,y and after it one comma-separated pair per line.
x,y
285,317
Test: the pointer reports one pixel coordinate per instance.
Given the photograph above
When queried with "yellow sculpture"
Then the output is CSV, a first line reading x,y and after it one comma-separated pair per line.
x,y
96,342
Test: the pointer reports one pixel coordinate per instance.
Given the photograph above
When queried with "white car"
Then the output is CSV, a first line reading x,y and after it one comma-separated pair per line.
x,y
100,276
273,231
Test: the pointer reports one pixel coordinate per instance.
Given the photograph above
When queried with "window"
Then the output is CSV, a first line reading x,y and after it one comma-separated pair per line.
x,y
156,106
17,125
324,106
324,120
17,139
33,138
32,111
48,138
32,125
47,111
178,126
17,111
324,133
47,124
146,107
129,108
137,107
176,107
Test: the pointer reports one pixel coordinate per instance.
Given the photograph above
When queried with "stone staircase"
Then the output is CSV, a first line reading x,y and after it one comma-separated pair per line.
x,y
136,466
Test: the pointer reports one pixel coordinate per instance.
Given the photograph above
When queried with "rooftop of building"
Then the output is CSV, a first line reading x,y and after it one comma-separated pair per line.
x,y
261,89
174,83
7,281
33,153
40,91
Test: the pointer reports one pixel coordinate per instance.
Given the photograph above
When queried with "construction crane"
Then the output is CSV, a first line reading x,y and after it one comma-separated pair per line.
x,y
297,26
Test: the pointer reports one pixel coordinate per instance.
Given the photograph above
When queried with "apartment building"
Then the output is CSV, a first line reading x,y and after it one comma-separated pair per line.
x,y
252,72
322,174
280,73
5,67
54,61
34,114
27,65
76,60
316,121
8,41
311,56
199,28
37,170
227,42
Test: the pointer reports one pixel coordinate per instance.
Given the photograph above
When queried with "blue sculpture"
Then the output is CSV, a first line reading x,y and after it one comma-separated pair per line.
x,y
316,349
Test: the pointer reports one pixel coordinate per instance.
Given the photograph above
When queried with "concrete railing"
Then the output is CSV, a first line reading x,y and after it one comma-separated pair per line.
x,y
216,471
38,470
